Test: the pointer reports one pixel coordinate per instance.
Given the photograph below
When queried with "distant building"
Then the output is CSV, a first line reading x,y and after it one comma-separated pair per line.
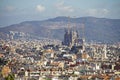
x,y
70,37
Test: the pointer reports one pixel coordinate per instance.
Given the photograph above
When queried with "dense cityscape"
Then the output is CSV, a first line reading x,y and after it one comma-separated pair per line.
x,y
48,59
59,39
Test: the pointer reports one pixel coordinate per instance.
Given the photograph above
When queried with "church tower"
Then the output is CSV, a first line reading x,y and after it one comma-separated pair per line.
x,y
70,37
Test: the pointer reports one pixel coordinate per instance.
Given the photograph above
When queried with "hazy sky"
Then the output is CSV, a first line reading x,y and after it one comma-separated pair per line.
x,y
16,11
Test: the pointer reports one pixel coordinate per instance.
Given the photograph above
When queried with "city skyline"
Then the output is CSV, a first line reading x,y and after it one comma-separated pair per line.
x,y
14,11
59,40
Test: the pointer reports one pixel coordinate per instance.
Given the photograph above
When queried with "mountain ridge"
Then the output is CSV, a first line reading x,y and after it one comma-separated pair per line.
x,y
96,29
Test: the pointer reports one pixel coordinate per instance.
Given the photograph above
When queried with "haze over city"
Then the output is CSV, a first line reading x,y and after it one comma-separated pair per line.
x,y
59,39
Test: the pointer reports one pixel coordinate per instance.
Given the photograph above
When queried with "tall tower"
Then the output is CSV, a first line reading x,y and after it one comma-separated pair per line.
x,y
70,37
66,38
67,35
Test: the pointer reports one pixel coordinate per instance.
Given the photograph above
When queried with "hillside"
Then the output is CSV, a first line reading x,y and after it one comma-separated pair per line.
x,y
96,29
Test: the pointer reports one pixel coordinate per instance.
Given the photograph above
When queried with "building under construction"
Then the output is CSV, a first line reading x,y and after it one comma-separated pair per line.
x,y
71,38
